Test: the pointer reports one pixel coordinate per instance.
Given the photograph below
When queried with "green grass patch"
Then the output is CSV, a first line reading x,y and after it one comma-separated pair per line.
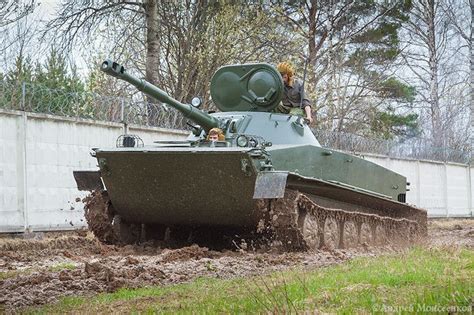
x,y
420,280
11,274
62,266
55,268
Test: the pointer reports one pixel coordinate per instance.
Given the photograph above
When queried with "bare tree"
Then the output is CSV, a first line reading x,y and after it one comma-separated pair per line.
x,y
437,59
12,10
11,25
176,44
199,38
429,57
84,23
461,16
470,40
80,22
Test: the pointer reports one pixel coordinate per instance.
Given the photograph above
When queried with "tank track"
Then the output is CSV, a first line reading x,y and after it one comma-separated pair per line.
x,y
293,223
298,223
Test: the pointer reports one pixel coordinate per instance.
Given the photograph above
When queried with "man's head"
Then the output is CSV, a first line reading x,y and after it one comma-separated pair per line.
x,y
213,137
287,72
215,134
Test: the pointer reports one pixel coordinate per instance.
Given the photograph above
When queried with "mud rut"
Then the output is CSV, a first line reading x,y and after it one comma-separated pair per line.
x,y
40,271
36,272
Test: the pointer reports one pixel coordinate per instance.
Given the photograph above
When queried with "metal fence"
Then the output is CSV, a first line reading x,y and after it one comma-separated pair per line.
x,y
39,99
35,98
415,148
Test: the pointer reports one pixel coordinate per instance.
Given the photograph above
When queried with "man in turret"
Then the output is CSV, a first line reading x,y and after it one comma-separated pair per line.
x,y
293,101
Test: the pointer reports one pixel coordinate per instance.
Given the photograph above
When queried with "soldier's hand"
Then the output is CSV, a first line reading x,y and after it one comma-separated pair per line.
x,y
308,119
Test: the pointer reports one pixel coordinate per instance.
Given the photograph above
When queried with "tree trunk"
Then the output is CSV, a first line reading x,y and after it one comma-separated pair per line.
x,y
152,62
471,49
312,42
331,86
433,66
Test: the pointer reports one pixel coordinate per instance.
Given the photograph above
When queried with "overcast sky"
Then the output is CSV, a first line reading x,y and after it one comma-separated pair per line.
x,y
45,11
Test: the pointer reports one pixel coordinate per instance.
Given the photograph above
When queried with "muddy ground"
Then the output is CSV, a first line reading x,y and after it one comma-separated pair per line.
x,y
42,269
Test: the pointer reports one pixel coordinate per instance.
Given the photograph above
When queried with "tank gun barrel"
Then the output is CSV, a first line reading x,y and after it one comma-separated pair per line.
x,y
203,119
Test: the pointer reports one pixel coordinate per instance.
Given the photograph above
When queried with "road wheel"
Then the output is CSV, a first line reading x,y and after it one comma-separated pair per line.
x,y
308,226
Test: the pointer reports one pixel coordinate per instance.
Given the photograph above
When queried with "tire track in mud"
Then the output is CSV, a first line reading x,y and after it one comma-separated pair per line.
x,y
31,276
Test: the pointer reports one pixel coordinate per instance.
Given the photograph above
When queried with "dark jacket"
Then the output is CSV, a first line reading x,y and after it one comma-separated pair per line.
x,y
292,96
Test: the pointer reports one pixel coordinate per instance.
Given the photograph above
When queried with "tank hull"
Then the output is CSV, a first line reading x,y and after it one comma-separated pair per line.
x,y
180,187
220,186
339,168
208,188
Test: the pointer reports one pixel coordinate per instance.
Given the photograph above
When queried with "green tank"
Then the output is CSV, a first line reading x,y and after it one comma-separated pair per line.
x,y
270,177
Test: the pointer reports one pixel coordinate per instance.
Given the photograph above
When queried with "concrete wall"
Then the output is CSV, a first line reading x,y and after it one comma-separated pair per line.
x,y
38,155
39,152
444,189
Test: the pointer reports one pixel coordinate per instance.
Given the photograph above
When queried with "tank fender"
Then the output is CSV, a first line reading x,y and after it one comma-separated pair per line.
x,y
88,180
269,185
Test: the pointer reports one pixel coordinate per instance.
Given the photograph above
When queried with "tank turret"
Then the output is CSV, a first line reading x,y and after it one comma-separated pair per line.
x,y
249,87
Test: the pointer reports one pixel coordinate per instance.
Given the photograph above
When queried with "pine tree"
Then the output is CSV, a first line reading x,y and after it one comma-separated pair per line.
x,y
48,88
57,89
13,81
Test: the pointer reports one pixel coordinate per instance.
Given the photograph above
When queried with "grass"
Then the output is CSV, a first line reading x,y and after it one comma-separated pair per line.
x,y
62,266
55,268
420,280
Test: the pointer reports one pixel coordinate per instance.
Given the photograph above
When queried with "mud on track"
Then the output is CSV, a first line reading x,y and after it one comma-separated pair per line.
x,y
40,271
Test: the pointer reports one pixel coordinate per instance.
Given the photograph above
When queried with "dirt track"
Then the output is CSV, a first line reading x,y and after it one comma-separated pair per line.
x,y
41,270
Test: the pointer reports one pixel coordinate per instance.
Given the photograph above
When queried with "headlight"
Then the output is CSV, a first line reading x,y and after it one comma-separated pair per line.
x,y
242,141
196,102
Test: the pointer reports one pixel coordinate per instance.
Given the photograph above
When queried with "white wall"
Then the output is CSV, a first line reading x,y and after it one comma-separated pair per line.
x,y
38,155
444,189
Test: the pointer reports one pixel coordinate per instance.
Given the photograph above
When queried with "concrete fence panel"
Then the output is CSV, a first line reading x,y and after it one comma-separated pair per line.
x,y
11,174
444,189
